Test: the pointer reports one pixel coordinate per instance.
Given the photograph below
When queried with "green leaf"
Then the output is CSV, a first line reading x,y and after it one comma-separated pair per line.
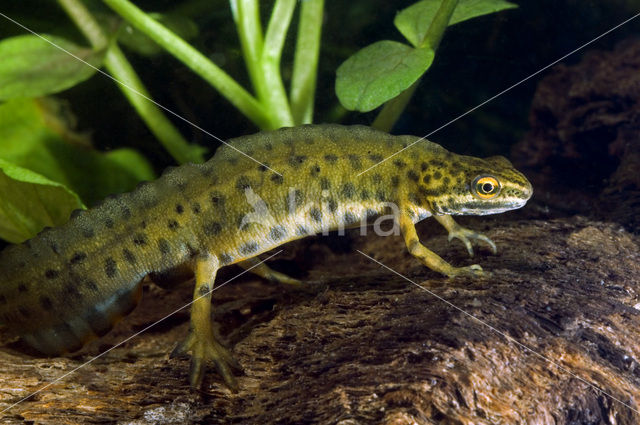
x,y
414,21
140,43
379,72
29,202
32,67
35,134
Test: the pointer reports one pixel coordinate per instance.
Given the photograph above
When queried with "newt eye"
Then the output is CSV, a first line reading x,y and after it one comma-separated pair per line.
x,y
485,187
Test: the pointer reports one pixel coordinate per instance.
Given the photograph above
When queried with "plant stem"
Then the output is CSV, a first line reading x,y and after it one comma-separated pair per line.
x,y
439,24
195,60
305,62
394,107
247,19
276,98
118,66
392,110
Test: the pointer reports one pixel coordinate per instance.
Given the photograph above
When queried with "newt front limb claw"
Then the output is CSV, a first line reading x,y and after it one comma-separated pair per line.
x,y
458,232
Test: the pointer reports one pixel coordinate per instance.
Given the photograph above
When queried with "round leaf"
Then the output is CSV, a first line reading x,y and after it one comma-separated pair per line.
x,y
29,202
379,72
414,21
33,67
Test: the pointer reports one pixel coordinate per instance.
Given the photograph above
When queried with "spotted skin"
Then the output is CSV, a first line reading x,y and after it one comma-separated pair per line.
x,y
72,283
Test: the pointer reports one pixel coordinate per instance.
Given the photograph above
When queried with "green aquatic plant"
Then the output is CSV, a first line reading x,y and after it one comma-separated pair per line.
x,y
43,159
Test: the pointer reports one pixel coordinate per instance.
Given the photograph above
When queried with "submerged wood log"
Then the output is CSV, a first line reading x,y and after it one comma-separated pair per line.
x,y
368,346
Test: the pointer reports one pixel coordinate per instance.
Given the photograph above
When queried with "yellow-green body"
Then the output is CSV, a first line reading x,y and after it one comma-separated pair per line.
x,y
73,282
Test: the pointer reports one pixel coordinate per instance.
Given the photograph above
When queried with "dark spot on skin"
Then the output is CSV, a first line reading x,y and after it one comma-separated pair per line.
x,y
315,170
350,218
330,158
46,303
316,214
140,239
262,168
213,228
143,224
410,213
108,223
51,274
437,175
91,284
173,225
412,175
71,291
426,179
395,181
225,259
78,258
424,166
277,178
277,232
380,196
348,190
376,179
22,288
217,199
163,246
294,198
446,181
325,184
126,213
54,247
191,251
110,267
248,248
333,205
195,207
242,183
355,161
268,146
203,290
302,231
233,160
179,208
364,195
437,163
399,163
128,256
376,158
88,233
297,160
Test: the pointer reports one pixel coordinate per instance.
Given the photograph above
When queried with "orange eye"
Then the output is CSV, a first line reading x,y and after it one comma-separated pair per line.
x,y
485,187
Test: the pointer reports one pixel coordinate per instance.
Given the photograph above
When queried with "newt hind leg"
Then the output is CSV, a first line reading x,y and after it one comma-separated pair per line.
x,y
261,269
202,340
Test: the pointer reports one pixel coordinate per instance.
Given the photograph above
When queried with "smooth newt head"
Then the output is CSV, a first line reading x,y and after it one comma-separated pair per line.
x,y
457,184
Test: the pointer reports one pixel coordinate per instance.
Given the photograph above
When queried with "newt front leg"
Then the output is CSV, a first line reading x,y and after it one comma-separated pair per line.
x,y
428,257
202,341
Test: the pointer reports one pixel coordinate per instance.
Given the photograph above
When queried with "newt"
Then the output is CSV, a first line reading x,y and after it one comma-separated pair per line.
x,y
72,283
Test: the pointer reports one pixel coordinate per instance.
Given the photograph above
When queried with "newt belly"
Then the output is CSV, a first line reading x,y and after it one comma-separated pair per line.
x,y
72,283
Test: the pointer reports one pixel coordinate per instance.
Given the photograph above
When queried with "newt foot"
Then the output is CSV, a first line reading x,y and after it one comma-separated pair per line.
x,y
206,348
